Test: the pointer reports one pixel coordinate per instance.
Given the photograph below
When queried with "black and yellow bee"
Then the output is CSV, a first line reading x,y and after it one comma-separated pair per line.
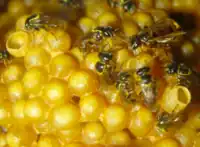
x,y
125,84
37,21
162,33
98,38
181,71
106,66
164,120
5,57
103,32
148,85
126,5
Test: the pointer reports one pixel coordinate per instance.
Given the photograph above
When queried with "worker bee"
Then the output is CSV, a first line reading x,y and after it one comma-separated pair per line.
x,y
98,39
162,33
125,5
5,57
164,120
125,84
148,86
37,21
181,71
106,65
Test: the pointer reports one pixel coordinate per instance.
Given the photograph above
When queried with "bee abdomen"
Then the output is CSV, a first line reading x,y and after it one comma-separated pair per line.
x,y
105,56
99,67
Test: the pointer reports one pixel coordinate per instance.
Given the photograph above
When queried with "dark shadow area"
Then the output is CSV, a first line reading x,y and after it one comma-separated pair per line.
x,y
3,5
186,20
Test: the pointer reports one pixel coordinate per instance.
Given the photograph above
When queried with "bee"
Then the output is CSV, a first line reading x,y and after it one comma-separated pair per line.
x,y
125,84
98,36
164,120
70,3
162,33
5,57
37,21
125,5
181,71
148,86
106,66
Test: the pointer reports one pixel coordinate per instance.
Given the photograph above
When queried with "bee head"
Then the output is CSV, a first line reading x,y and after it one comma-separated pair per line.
x,y
183,69
163,118
99,67
146,79
98,33
4,54
27,25
129,7
172,68
135,42
105,56
28,22
142,71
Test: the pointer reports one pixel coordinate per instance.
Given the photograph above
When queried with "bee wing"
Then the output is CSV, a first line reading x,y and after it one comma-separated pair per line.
x,y
149,95
46,19
132,71
167,22
164,27
121,39
172,37
40,19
